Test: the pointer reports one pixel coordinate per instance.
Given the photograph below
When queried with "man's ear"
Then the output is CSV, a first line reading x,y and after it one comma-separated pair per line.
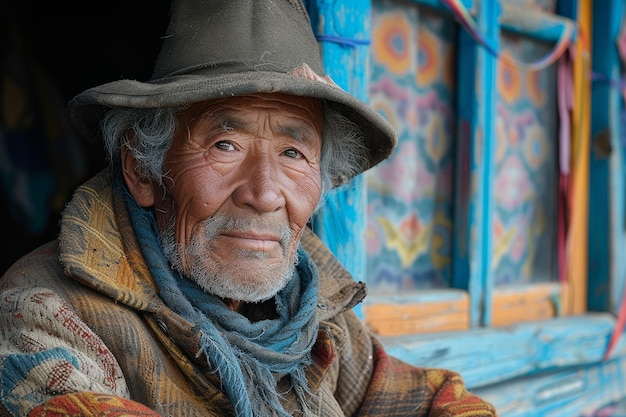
x,y
139,186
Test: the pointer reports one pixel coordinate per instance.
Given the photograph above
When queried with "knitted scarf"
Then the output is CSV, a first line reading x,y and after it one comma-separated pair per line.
x,y
246,355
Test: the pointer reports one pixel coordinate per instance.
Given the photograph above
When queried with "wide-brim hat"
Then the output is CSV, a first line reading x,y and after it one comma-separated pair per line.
x,y
222,48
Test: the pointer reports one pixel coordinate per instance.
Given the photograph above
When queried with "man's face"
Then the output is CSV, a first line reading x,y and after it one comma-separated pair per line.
x,y
242,179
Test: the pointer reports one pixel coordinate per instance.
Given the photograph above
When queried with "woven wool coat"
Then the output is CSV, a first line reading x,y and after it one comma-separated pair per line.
x,y
84,332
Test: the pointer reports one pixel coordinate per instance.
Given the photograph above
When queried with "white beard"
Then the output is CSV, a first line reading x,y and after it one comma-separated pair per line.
x,y
227,279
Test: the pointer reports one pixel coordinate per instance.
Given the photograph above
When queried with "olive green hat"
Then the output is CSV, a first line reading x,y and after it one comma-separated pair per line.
x,y
222,48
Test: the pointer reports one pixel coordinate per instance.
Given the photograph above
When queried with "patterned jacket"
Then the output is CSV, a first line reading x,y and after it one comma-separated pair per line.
x,y
84,332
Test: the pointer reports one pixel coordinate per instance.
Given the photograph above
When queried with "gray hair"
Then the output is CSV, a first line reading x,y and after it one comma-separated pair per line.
x,y
148,135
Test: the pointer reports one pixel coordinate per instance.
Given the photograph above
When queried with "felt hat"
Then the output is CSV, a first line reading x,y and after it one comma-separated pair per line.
x,y
221,48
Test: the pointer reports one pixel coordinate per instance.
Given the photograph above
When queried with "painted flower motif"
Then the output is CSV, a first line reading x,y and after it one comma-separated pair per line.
x,y
410,227
391,42
512,184
509,81
391,100
410,239
406,174
429,59
437,138
536,145
508,128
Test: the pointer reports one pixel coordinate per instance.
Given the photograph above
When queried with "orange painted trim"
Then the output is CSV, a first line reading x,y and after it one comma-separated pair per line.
x,y
511,305
577,245
537,302
420,316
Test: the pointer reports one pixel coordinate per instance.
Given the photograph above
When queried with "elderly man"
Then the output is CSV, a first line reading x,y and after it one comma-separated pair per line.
x,y
185,281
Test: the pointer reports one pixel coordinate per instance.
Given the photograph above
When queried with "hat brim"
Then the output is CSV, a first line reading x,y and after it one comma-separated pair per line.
x,y
86,108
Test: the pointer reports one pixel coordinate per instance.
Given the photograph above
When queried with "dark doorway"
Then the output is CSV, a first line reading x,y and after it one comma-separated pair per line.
x,y
51,51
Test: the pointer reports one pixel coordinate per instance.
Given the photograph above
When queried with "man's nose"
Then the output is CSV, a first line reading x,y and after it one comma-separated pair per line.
x,y
260,186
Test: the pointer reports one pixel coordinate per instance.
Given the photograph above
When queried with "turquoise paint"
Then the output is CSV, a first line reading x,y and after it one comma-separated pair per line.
x,y
481,282
473,243
341,222
616,167
617,210
606,195
488,357
569,392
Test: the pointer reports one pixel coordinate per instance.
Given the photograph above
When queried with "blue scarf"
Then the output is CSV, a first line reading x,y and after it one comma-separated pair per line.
x,y
245,354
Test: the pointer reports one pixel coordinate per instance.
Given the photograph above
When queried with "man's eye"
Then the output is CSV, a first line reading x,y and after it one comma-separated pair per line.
x,y
224,145
292,153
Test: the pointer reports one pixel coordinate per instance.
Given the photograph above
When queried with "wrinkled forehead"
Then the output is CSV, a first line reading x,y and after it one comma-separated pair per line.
x,y
306,108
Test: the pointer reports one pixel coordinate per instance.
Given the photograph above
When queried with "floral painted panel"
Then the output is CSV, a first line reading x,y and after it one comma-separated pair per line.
x,y
526,176
411,195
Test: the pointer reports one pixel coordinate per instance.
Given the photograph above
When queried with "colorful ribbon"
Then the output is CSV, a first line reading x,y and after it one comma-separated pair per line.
x,y
466,20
